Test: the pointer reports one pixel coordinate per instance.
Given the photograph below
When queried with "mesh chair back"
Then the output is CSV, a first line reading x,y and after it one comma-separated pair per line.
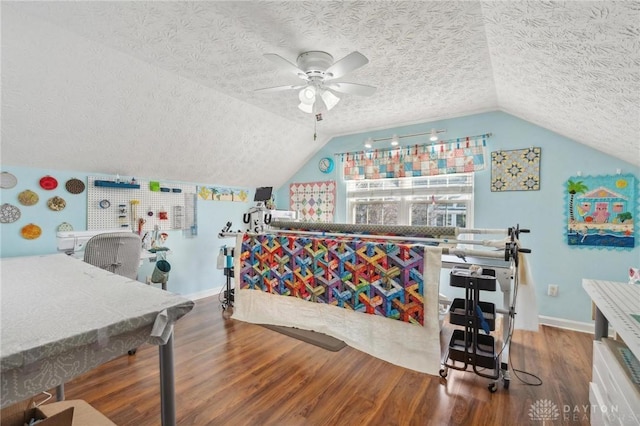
x,y
117,252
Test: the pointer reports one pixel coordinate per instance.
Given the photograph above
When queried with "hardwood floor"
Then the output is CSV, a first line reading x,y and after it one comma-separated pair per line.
x,y
234,373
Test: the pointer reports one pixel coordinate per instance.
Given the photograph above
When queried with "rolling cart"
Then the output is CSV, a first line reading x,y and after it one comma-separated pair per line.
x,y
472,346
469,347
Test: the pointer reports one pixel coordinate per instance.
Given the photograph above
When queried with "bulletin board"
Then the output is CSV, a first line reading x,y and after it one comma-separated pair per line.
x,y
136,207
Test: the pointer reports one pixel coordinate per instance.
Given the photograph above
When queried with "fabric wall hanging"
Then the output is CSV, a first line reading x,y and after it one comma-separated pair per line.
x,y
314,201
516,170
601,211
222,194
446,157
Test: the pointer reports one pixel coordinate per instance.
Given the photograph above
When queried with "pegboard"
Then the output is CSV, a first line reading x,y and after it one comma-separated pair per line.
x,y
113,206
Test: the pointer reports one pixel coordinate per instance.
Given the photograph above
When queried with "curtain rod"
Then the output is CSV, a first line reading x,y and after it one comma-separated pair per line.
x,y
444,141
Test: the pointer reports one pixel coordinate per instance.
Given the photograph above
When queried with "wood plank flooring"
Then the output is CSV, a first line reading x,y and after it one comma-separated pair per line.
x,y
233,373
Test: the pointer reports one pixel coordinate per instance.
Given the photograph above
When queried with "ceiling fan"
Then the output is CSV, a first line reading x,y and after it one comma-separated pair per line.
x,y
320,73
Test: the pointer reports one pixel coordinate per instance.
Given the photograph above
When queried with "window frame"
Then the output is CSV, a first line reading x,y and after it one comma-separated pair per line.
x,y
447,189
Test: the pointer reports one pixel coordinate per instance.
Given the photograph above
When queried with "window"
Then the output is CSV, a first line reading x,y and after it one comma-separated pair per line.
x,y
445,200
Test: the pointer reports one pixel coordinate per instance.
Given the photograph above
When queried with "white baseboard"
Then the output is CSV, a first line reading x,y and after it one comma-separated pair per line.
x,y
205,293
584,327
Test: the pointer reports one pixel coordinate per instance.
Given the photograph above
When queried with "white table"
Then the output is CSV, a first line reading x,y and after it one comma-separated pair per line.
x,y
615,302
612,391
62,317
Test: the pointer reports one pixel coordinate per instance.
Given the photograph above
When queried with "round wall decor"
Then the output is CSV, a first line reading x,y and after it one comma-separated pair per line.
x,y
28,197
31,231
326,165
48,183
9,213
65,227
74,186
56,203
7,180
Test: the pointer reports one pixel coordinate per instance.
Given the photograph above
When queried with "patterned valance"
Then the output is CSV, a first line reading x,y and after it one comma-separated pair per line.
x,y
445,157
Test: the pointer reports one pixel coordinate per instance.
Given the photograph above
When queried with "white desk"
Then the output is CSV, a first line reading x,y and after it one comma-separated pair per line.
x,y
62,317
615,302
612,391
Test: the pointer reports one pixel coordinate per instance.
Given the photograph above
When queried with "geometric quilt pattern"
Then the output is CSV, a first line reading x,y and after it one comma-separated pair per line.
x,y
516,170
377,278
314,201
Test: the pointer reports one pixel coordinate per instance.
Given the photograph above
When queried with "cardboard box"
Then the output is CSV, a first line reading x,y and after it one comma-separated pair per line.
x,y
83,413
75,412
23,412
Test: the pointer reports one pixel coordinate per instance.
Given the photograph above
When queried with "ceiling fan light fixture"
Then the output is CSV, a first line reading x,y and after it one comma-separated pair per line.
x,y
330,100
308,108
307,95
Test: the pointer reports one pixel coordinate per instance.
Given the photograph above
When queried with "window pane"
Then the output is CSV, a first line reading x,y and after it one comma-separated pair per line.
x,y
390,214
418,214
375,214
360,214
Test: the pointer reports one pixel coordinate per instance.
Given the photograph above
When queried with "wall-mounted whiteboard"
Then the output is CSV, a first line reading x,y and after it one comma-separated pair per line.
x,y
125,205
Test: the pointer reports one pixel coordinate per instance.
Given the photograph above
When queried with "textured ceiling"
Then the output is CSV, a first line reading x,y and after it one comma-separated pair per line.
x,y
571,67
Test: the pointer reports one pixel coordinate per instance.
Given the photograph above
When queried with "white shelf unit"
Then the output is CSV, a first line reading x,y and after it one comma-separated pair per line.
x,y
614,393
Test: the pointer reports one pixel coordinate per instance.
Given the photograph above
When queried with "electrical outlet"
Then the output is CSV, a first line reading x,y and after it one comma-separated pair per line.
x,y
552,290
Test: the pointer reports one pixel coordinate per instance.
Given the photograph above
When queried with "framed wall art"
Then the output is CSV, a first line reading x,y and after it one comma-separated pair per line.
x,y
516,170
601,211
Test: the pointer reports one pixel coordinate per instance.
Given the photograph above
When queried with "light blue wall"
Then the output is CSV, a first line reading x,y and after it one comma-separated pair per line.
x,y
552,260
193,260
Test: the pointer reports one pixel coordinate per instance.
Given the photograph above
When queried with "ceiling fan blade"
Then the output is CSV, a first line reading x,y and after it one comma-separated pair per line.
x,y
352,61
279,88
351,88
285,65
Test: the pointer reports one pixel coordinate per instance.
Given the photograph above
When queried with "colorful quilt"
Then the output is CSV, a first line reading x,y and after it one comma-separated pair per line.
x,y
314,201
516,170
462,156
378,278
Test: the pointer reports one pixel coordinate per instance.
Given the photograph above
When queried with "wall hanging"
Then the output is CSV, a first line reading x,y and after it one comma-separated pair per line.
x,y
217,193
74,186
463,155
601,211
7,180
314,201
516,170
9,213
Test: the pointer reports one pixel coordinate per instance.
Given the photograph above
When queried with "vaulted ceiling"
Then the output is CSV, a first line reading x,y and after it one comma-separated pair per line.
x,y
571,67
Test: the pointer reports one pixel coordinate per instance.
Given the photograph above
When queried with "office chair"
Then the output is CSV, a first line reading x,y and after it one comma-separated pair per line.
x,y
117,252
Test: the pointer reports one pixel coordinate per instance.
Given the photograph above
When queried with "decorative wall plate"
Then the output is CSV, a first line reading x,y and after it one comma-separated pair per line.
x,y
31,231
9,213
48,183
56,203
28,197
7,180
74,186
65,227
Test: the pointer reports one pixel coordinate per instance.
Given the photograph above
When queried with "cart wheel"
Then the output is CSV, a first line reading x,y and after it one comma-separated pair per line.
x,y
492,387
132,351
443,373
505,383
